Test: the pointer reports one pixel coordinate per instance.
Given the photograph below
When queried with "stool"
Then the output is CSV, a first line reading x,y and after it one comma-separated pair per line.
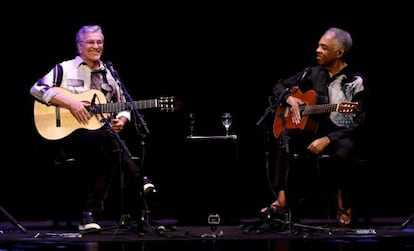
x,y
306,187
314,172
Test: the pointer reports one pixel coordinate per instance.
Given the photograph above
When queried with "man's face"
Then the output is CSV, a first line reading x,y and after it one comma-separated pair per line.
x,y
327,51
91,47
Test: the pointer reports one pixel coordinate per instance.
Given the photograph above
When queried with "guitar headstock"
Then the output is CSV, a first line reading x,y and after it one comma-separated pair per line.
x,y
167,104
348,107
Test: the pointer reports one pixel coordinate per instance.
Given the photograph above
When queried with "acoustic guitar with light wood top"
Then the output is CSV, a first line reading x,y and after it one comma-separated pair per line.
x,y
53,122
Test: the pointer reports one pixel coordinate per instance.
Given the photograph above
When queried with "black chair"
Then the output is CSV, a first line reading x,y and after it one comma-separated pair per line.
x,y
311,191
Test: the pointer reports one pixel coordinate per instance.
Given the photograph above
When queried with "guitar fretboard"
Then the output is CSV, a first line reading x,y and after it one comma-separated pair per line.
x,y
117,107
324,108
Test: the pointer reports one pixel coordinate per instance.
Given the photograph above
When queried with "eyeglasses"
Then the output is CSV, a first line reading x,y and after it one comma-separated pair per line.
x,y
93,42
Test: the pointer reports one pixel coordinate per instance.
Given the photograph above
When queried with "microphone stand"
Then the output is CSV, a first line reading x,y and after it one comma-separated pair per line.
x,y
123,222
272,107
128,96
249,226
138,116
268,110
278,102
145,212
13,220
124,219
134,108
407,221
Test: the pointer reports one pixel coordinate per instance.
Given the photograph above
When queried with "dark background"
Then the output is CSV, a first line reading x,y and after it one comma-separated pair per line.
x,y
214,59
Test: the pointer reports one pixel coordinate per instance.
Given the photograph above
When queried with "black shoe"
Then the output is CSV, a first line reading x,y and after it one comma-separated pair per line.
x,y
148,186
88,222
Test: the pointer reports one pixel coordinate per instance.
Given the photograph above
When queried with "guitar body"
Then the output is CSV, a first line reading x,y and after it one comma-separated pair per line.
x,y
54,122
283,117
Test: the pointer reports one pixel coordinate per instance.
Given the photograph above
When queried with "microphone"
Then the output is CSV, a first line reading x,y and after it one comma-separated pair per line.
x,y
114,73
305,74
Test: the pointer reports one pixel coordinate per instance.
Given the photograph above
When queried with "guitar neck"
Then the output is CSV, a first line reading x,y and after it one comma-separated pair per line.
x,y
117,107
323,108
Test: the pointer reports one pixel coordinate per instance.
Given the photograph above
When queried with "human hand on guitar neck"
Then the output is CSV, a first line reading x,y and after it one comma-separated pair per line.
x,y
318,145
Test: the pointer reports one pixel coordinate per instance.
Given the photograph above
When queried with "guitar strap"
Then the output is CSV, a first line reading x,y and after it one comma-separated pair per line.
x,y
57,74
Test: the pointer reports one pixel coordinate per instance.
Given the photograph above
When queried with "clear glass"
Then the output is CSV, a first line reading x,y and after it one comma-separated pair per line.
x,y
226,121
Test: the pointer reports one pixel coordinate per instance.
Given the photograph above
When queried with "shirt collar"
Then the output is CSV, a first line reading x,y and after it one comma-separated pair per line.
x,y
79,61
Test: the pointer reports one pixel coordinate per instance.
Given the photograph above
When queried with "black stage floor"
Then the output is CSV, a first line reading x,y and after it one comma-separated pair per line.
x,y
252,234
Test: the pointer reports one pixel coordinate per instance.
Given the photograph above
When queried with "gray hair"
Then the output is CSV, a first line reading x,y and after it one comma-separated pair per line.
x,y
343,37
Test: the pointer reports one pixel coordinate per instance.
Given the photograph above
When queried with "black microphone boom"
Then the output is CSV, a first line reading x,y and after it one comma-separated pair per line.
x,y
305,74
114,73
